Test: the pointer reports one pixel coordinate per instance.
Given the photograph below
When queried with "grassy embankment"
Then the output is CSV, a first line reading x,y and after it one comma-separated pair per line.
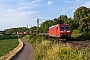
x,y
77,34
51,50
7,43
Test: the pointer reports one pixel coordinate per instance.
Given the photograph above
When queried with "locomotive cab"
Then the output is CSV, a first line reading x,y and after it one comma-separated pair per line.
x,y
65,31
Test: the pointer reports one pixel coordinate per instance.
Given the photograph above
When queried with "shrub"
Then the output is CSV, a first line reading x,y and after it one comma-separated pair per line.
x,y
76,33
85,36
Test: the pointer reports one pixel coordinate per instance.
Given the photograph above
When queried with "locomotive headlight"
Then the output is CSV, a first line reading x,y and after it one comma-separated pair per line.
x,y
68,31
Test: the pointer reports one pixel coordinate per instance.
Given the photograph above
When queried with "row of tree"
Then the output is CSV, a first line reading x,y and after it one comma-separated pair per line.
x,y
81,21
15,30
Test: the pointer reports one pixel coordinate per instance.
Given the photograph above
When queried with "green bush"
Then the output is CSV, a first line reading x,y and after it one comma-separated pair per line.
x,y
85,36
76,33
32,35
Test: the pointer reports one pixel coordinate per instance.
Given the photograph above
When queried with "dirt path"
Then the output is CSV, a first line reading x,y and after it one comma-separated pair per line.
x,y
27,53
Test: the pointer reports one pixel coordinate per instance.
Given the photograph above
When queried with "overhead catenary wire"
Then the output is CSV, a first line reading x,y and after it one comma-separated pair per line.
x,y
77,6
67,6
70,9
73,8
62,8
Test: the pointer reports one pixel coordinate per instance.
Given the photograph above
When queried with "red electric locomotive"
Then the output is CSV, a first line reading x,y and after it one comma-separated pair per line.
x,y
60,30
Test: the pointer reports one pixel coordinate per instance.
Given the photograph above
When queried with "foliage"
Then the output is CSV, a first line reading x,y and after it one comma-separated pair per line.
x,y
7,44
14,30
82,18
50,50
76,33
84,36
33,29
45,25
62,19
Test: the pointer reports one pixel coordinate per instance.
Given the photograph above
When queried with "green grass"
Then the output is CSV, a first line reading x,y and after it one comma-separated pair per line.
x,y
51,50
7,43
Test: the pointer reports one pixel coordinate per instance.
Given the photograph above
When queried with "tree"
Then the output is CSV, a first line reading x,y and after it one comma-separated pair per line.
x,y
45,25
33,29
82,18
62,19
14,30
58,21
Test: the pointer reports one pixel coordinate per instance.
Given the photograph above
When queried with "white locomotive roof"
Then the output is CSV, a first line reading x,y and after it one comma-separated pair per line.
x,y
52,26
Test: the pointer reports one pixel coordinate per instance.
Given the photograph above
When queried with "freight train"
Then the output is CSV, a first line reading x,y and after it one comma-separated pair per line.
x,y
60,30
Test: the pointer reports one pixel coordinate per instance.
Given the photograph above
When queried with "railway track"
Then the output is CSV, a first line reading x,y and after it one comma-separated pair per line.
x,y
79,43
73,42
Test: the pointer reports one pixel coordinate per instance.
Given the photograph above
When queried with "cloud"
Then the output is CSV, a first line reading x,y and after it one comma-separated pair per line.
x,y
50,2
18,15
15,16
29,4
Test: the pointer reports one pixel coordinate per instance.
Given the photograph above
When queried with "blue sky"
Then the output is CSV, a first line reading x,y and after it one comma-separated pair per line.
x,y
19,13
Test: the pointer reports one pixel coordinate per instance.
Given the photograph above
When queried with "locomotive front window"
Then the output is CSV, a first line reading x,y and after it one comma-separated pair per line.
x,y
61,28
66,27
